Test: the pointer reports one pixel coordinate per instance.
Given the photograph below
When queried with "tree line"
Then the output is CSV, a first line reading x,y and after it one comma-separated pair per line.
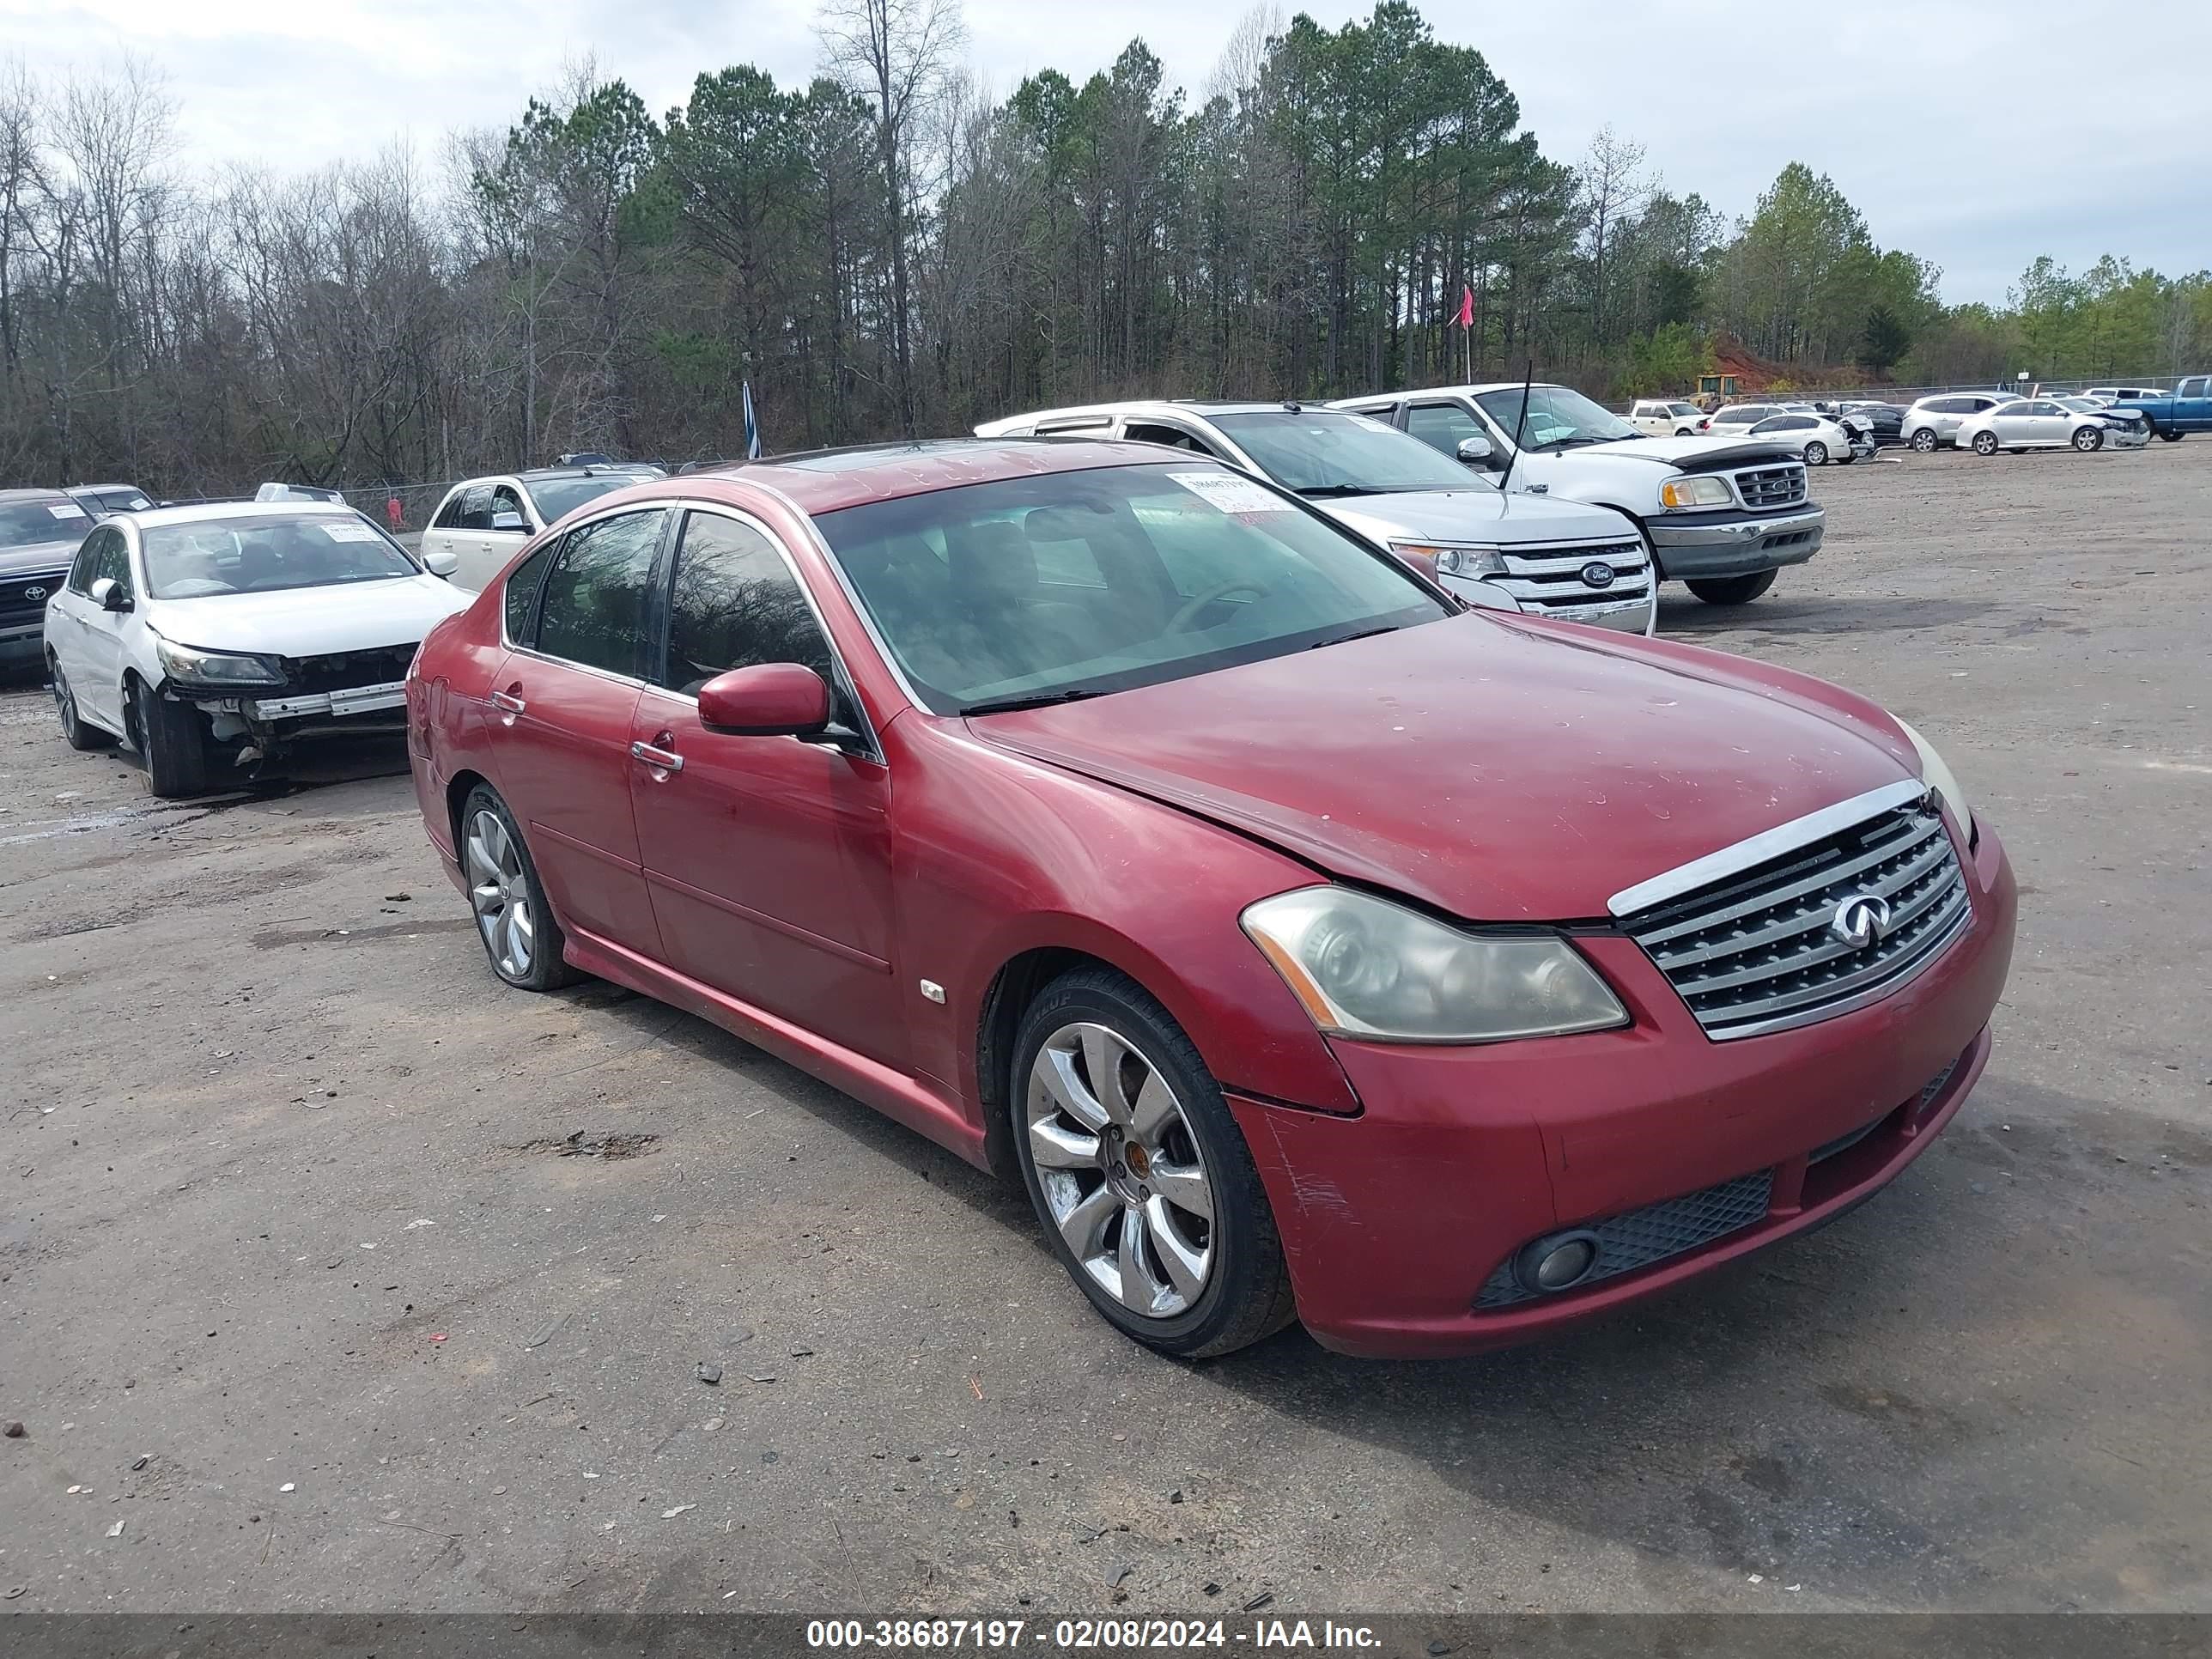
x,y
890,250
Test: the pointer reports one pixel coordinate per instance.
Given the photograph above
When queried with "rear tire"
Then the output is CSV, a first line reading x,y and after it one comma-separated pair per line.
x,y
1733,590
515,925
1985,443
172,741
2172,437
78,733
1176,1279
1816,453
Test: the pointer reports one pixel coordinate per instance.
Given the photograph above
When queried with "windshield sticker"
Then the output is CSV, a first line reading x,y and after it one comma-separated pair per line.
x,y
66,512
351,532
1231,493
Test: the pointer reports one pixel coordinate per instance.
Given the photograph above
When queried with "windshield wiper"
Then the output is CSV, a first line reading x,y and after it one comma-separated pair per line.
x,y
1356,634
1034,700
1336,489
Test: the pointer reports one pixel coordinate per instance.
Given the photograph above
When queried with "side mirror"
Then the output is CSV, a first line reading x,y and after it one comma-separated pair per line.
x,y
1476,451
509,521
442,562
767,700
110,594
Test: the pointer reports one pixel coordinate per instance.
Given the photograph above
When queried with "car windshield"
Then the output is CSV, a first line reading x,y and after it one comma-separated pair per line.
x,y
1327,452
557,497
2081,405
1066,585
25,524
1558,418
267,553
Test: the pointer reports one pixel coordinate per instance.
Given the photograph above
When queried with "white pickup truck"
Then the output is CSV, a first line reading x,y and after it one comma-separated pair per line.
x,y
1722,514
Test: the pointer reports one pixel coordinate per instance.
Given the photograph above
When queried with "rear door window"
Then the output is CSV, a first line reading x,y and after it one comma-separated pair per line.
x,y
1442,426
520,599
595,607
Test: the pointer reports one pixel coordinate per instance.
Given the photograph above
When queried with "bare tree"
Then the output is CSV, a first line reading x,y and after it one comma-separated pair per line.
x,y
895,53
1612,189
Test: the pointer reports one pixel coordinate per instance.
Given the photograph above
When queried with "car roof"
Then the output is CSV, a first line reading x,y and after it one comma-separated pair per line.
x,y
825,480
199,512
35,494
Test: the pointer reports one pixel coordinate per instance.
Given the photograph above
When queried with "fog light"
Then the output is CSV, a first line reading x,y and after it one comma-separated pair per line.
x,y
1557,1263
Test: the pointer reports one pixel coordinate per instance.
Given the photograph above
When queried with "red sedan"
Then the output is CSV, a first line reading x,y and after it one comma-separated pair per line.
x,y
1313,947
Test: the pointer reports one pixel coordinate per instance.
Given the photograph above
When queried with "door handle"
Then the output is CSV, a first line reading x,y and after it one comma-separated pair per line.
x,y
507,704
664,760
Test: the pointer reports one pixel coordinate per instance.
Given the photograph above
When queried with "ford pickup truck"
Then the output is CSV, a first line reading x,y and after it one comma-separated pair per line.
x,y
2173,416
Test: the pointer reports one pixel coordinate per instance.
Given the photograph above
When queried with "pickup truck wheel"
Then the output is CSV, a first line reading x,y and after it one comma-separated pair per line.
x,y
172,741
1684,432
2172,437
76,730
2089,439
1985,443
1733,590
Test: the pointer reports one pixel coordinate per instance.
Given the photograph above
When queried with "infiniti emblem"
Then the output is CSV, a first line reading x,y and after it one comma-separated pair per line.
x,y
1598,573
1861,919
34,593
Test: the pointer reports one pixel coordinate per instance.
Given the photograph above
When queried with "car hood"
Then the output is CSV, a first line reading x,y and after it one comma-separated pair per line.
x,y
310,622
40,557
1692,454
1495,766
1476,515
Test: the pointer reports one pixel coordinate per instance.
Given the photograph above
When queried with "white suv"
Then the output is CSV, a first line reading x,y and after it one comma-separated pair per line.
x,y
483,522
1664,419
1934,422
1556,559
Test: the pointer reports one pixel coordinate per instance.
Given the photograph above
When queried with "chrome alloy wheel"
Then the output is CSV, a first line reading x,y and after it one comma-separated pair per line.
x,y
1121,1171
500,893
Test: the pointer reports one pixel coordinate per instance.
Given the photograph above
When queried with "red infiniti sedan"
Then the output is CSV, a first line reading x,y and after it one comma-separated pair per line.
x,y
1313,947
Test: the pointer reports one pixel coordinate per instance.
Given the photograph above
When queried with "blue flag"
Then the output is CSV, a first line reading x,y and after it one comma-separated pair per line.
x,y
753,450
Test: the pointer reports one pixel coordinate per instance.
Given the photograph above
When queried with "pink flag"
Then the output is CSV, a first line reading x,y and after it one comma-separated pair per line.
x,y
1466,318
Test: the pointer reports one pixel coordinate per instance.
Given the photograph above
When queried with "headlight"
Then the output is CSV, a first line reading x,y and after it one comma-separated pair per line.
x,y
1939,778
188,667
1364,967
1455,561
1688,491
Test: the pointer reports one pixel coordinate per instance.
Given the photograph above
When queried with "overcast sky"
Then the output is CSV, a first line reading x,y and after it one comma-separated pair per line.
x,y
1909,108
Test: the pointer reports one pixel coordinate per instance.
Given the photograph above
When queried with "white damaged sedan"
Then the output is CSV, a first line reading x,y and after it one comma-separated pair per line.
x,y
215,637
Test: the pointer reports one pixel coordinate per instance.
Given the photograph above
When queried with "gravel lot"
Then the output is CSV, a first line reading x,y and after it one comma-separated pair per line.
x,y
297,1285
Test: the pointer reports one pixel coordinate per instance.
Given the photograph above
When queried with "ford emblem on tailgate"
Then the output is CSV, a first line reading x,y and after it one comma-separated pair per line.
x,y
1597,574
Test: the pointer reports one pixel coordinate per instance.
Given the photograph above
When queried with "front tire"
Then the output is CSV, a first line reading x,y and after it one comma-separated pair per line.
x,y
78,732
2172,437
1985,443
1733,590
2089,439
1139,1175
1923,440
1816,453
172,741
523,942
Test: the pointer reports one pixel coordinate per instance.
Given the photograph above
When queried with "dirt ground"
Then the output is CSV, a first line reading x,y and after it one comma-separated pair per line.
x,y
301,1288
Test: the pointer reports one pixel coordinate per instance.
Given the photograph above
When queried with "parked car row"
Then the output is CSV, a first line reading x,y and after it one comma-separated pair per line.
x,y
1129,818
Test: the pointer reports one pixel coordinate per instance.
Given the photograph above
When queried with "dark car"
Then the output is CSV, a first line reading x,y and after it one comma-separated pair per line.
x,y
40,531
1884,422
104,498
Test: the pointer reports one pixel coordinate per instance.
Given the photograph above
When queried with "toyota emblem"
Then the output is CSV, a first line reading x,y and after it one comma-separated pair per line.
x,y
1861,920
35,593
1598,573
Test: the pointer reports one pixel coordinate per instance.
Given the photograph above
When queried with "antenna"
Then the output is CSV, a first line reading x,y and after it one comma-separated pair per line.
x,y
1527,375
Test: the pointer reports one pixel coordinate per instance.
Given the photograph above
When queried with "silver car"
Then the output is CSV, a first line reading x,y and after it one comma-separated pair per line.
x,y
1934,422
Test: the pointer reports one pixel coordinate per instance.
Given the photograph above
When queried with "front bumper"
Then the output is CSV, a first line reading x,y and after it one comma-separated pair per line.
x,y
1634,614
1693,546
22,643
1394,1221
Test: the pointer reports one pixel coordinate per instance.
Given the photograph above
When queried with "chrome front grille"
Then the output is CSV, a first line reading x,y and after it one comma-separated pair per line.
x,y
1771,486
1551,578
1772,947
